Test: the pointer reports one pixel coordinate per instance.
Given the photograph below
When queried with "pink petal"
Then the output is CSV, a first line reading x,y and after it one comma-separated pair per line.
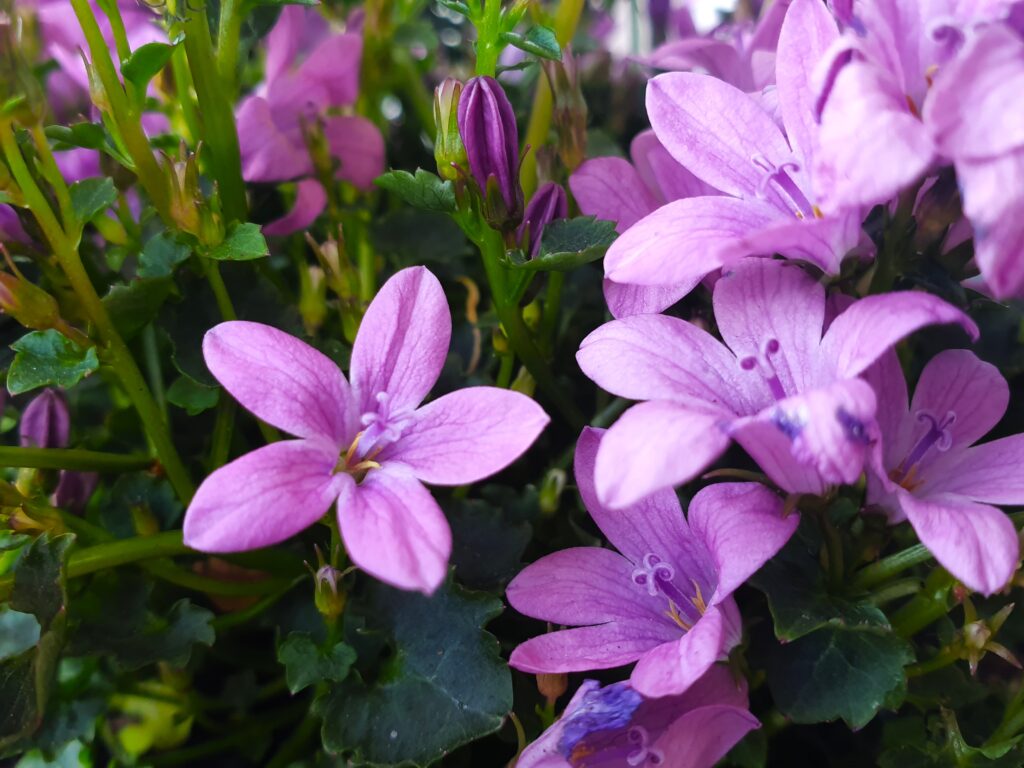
x,y
611,189
719,58
671,668
992,472
871,326
282,380
334,65
296,31
974,542
402,342
602,646
468,435
395,531
310,201
742,527
662,173
626,300
358,146
654,446
264,497
895,426
703,737
270,152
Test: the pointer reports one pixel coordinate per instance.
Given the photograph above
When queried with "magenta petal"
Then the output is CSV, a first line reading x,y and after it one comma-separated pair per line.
x,y
992,472
310,200
703,737
871,326
402,342
974,542
626,300
468,435
395,531
264,497
653,446
334,66
662,173
296,31
358,146
611,189
671,668
602,646
270,152
742,526
821,242
282,380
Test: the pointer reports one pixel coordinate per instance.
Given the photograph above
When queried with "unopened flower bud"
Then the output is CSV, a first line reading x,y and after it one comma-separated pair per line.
x,y
330,598
569,109
29,304
548,204
46,422
449,152
74,489
551,491
487,125
552,686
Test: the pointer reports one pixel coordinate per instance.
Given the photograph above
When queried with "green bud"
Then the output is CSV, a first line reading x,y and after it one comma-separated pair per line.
x,y
449,152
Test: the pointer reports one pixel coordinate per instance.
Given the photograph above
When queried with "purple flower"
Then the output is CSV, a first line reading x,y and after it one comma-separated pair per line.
x,y
789,394
272,123
45,422
369,446
933,475
547,204
666,600
614,726
487,125
727,139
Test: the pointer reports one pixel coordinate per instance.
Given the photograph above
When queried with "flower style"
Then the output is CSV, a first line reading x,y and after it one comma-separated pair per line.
x,y
933,475
665,599
791,396
727,139
370,446
274,122
615,726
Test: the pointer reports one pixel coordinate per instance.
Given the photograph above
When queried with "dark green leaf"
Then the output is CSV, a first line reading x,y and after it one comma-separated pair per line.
x,y
540,41
424,190
145,62
306,664
69,720
48,358
85,135
72,755
456,6
139,496
566,244
185,392
91,197
244,242
488,542
443,685
25,685
160,255
18,632
39,579
837,672
135,305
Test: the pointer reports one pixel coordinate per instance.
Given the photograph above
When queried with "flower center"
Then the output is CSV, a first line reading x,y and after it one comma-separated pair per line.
x,y
657,577
643,753
763,364
778,178
938,434
384,425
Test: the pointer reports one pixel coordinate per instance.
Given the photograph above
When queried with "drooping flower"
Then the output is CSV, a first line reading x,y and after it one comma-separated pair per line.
x,y
933,475
789,394
664,599
310,71
368,445
547,204
727,139
614,727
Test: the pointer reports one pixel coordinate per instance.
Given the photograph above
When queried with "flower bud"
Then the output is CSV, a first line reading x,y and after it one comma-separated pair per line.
x,y
329,598
45,422
27,303
569,109
449,151
487,126
550,493
546,205
74,489
552,686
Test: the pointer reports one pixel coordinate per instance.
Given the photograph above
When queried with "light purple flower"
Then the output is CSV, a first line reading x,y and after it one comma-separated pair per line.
x,y
933,475
727,139
666,600
614,727
789,394
370,446
310,71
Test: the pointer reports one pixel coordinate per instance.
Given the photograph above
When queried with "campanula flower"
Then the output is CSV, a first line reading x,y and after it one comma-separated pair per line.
x,y
547,204
46,423
933,475
790,394
368,444
664,599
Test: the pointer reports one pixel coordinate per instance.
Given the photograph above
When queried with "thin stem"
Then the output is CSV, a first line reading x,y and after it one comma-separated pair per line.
x,y
508,364
241,617
941,660
488,47
220,443
552,305
154,370
53,175
229,32
1013,720
895,590
172,574
72,458
931,604
889,566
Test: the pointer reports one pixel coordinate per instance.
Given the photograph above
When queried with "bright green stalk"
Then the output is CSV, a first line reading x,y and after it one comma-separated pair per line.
x,y
488,47
72,458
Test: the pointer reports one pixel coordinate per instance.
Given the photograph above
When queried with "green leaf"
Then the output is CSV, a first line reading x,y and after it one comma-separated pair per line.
x,y
85,135
145,62
244,242
74,755
282,3
424,190
135,305
306,664
489,536
39,587
540,41
837,672
18,632
139,497
442,686
48,358
160,255
185,392
566,244
90,197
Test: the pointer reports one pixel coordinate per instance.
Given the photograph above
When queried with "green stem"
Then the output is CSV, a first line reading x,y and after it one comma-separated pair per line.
x,y
508,364
167,571
895,590
488,47
1013,720
236,618
72,458
220,443
411,83
833,548
941,660
116,352
889,566
931,604
552,305
294,745
153,369
229,32
53,176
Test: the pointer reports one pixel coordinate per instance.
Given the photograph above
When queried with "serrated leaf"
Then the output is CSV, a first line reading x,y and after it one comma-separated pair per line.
x,y
145,62
424,190
160,255
48,358
244,242
185,392
443,685
90,197
39,587
306,664
567,244
540,41
837,672
134,305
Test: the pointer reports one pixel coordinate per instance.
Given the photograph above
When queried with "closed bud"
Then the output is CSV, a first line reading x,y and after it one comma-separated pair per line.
x,y
569,109
46,422
487,125
547,204
29,304
449,151
552,686
330,597
550,493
